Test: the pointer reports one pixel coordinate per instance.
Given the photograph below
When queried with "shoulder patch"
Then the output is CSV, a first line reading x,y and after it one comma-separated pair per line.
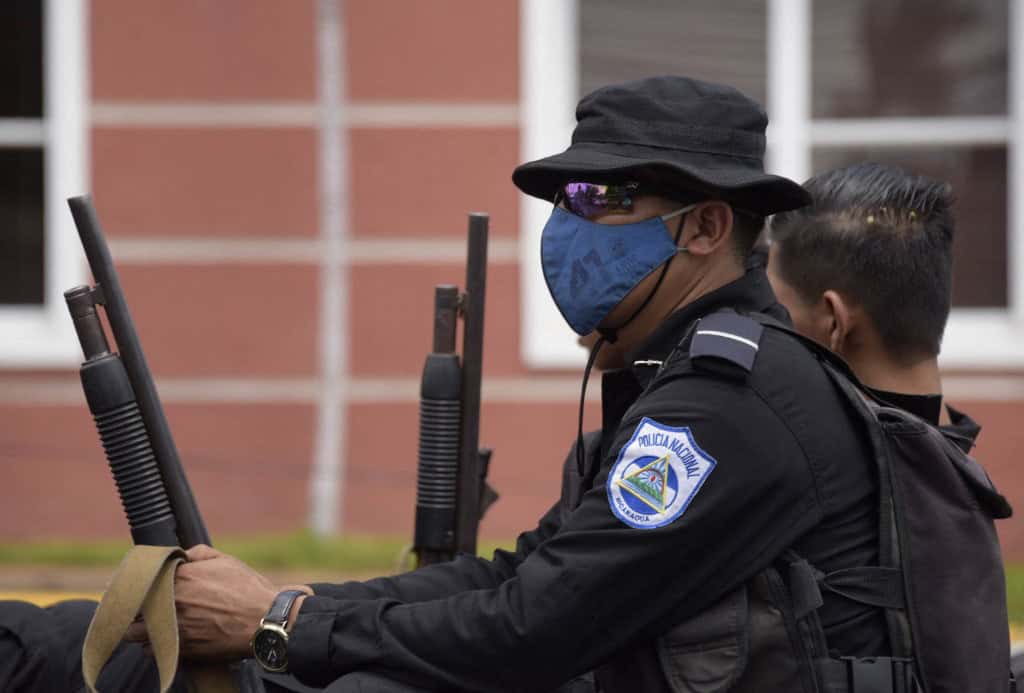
x,y
657,474
727,336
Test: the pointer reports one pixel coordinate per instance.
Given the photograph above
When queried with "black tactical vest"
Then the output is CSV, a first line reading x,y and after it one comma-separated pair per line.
x,y
940,578
747,641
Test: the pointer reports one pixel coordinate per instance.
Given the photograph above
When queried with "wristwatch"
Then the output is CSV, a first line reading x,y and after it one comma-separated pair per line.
x,y
270,643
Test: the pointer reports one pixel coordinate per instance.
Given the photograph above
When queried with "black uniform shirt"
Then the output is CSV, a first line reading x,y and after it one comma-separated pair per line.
x,y
791,470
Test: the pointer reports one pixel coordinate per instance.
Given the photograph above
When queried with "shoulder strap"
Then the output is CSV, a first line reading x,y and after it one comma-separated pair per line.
x,y
889,547
144,582
890,559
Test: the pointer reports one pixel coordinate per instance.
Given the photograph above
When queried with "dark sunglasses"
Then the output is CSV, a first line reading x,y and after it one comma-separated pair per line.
x,y
592,199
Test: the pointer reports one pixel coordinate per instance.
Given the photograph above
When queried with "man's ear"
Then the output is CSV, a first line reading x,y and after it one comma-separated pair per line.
x,y
838,321
708,226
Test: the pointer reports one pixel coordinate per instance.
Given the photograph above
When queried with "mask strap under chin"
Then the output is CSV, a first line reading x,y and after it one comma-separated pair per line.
x,y
611,334
580,453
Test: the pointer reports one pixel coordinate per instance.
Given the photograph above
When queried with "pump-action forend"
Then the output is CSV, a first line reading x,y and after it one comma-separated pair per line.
x,y
122,397
451,489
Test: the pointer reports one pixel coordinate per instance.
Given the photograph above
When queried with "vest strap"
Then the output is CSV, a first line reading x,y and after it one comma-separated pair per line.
x,y
873,585
804,587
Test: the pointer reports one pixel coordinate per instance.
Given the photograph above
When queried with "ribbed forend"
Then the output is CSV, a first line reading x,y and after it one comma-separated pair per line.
x,y
133,464
438,454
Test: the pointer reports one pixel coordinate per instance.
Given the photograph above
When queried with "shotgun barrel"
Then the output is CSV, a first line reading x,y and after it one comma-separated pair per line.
x,y
451,489
123,399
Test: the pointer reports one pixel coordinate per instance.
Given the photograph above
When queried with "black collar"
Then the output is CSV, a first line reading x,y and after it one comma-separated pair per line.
x,y
751,293
927,407
962,427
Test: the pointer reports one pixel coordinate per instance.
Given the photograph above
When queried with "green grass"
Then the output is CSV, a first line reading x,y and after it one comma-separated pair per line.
x,y
1015,592
298,550
63,552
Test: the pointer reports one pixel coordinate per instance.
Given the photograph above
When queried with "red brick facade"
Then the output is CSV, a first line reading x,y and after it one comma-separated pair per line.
x,y
234,341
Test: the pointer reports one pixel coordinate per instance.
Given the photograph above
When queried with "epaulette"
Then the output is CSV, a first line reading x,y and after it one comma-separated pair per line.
x,y
726,343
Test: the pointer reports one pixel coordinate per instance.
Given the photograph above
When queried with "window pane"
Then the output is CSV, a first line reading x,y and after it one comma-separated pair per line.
x,y
21,226
909,57
978,176
720,41
21,58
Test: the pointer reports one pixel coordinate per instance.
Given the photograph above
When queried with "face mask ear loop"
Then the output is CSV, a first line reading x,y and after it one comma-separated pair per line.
x,y
580,452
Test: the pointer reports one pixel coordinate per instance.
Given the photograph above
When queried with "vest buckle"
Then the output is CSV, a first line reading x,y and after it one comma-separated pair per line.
x,y
880,674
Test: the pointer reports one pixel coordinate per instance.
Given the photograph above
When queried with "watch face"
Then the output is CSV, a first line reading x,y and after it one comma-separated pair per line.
x,y
271,650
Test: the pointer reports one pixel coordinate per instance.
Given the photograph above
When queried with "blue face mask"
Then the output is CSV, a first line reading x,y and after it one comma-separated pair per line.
x,y
590,267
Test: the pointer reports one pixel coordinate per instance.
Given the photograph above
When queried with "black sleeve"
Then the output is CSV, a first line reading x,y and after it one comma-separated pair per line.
x,y
597,584
443,579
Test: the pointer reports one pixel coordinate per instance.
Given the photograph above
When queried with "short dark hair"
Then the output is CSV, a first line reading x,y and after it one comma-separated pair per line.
x,y
881,237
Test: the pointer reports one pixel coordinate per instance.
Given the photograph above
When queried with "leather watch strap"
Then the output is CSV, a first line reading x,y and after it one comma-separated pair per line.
x,y
282,606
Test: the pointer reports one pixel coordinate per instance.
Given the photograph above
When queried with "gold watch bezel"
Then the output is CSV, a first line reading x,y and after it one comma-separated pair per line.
x,y
276,628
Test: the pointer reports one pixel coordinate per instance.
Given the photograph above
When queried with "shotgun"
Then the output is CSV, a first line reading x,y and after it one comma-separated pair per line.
x,y
451,485
124,403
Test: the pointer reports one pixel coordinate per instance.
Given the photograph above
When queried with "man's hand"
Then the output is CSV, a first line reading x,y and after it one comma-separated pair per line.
x,y
220,601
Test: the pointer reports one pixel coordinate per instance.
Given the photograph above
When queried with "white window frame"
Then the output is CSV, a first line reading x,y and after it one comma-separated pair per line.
x,y
976,338
549,88
43,336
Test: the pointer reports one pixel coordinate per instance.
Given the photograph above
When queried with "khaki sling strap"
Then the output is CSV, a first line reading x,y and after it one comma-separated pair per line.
x,y
144,582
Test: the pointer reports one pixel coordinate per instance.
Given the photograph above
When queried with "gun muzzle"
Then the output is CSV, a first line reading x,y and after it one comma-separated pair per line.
x,y
82,306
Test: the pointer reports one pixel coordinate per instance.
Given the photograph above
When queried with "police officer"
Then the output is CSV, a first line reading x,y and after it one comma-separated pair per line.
x,y
866,270
725,452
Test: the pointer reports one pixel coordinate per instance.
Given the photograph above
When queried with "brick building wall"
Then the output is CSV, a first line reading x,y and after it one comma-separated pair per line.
x,y
204,169
204,165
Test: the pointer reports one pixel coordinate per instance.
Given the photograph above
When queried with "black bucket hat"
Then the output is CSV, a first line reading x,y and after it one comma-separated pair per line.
x,y
690,135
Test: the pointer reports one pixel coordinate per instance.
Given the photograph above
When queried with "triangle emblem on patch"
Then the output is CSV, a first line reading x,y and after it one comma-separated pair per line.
x,y
649,483
656,475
